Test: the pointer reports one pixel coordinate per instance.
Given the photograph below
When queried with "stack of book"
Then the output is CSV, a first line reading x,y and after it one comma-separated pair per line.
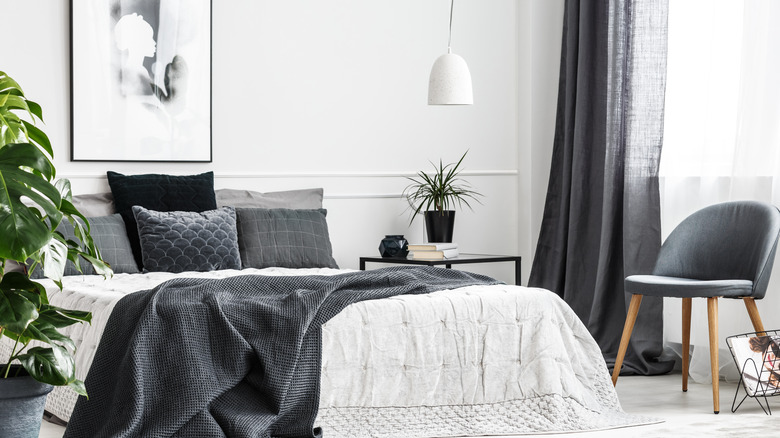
x,y
433,251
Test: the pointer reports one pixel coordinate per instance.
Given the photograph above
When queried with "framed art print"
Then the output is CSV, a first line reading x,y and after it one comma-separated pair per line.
x,y
141,80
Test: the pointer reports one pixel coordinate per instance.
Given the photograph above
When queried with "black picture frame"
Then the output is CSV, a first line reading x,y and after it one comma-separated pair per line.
x,y
141,79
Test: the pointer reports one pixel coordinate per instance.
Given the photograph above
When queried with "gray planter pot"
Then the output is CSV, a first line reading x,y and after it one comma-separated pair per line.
x,y
21,405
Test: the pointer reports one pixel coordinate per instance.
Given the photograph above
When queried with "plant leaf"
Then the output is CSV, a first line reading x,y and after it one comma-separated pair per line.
x,y
44,332
15,101
35,109
54,256
59,317
78,386
53,365
22,285
8,85
38,137
16,311
100,267
22,230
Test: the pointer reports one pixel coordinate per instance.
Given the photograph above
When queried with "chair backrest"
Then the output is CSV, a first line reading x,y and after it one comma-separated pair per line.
x,y
729,241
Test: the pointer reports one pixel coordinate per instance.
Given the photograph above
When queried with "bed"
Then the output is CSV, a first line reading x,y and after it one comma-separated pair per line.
x,y
484,359
519,360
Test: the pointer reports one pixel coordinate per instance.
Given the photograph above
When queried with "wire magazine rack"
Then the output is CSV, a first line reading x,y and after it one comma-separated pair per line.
x,y
757,357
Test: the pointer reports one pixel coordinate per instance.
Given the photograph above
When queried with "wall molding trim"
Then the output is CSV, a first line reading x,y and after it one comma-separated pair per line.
x,y
364,196
335,174
320,175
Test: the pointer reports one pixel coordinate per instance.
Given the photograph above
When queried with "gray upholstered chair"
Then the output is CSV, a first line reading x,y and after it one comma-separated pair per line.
x,y
724,250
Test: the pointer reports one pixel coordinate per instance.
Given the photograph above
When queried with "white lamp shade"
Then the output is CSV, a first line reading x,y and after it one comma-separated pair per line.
x,y
450,82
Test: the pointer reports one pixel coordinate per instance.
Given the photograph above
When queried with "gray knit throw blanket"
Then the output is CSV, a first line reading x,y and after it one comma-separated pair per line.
x,y
233,357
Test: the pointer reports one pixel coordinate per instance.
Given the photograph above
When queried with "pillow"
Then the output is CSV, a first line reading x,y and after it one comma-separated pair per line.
x,y
298,199
284,237
95,204
159,193
110,237
179,241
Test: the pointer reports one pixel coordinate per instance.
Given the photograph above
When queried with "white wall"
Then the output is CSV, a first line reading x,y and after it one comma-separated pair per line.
x,y
333,94
541,24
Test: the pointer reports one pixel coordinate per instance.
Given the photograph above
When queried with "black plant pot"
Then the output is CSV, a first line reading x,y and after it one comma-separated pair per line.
x,y
21,405
439,225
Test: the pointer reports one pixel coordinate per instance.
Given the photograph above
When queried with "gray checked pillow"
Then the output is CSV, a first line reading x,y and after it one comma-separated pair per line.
x,y
284,238
110,237
178,241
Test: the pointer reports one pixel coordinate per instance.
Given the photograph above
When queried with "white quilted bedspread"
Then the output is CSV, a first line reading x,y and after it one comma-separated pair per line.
x,y
479,360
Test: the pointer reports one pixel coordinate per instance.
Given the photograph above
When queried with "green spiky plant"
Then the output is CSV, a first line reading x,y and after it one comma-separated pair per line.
x,y
32,204
440,190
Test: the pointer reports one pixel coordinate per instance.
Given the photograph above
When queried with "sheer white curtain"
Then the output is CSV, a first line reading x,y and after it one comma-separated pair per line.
x,y
721,140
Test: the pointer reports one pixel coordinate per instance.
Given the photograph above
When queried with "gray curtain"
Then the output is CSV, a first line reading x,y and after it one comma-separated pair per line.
x,y
602,214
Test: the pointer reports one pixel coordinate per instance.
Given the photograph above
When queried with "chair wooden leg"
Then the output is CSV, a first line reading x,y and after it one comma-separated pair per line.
x,y
686,341
712,316
755,318
633,310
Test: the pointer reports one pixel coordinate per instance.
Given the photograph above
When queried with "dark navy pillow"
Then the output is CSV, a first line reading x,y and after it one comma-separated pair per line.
x,y
160,193
179,241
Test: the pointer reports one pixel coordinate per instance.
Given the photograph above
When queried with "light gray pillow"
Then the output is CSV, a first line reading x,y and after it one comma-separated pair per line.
x,y
178,241
102,204
284,238
110,237
294,199
95,204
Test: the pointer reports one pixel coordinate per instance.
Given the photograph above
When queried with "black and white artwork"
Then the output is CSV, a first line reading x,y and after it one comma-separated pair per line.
x,y
141,80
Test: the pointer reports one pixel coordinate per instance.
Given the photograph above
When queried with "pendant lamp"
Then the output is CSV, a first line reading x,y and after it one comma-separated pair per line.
x,y
450,80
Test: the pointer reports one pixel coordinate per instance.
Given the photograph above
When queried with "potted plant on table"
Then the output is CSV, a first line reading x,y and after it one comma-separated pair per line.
x,y
436,194
32,205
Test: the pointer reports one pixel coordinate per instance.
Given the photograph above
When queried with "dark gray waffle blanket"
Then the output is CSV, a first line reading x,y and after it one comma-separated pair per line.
x,y
233,357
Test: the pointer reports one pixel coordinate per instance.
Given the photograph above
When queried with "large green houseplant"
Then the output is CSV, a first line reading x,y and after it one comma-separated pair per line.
x,y
32,205
436,194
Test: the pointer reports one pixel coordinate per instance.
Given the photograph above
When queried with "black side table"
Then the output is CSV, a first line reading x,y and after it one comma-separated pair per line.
x,y
462,259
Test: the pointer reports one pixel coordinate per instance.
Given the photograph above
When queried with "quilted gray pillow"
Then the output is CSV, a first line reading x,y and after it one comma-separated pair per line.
x,y
284,237
178,241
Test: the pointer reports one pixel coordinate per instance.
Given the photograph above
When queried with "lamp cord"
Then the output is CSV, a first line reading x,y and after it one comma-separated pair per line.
x,y
449,38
